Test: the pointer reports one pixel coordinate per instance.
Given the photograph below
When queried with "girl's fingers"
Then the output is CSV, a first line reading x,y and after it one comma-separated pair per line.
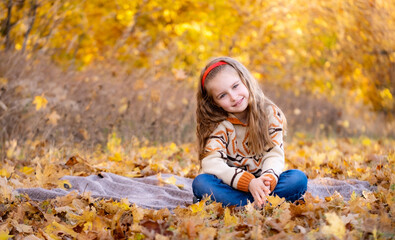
x,y
259,191
266,190
257,199
262,196
259,196
265,178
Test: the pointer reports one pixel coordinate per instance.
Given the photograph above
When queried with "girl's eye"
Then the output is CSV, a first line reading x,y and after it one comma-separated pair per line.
x,y
236,85
221,96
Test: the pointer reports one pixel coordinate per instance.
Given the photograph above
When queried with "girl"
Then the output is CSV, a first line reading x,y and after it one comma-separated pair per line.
x,y
240,134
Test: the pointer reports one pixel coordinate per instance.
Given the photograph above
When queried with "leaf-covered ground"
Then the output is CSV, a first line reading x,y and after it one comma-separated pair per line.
x,y
38,164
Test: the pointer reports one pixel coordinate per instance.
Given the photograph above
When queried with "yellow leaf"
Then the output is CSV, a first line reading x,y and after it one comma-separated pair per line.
x,y
336,226
116,158
229,220
366,141
147,153
3,81
12,147
27,170
4,235
138,213
65,184
198,207
275,200
40,101
124,105
171,180
173,147
4,173
123,108
54,228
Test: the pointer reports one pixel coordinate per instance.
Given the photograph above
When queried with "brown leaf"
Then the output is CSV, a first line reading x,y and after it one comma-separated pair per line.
x,y
154,227
72,161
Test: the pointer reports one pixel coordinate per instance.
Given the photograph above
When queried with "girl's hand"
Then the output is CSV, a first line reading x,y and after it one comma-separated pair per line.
x,y
269,181
259,190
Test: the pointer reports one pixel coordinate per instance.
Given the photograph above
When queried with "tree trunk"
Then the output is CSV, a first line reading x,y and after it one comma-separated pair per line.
x,y
8,26
32,15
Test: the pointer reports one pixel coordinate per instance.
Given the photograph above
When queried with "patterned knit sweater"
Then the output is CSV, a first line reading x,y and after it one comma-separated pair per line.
x,y
229,158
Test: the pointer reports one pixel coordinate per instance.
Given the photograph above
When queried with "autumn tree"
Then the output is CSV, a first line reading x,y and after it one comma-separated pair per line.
x,y
335,49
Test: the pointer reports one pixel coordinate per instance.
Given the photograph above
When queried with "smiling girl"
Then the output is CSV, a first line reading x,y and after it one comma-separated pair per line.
x,y
240,134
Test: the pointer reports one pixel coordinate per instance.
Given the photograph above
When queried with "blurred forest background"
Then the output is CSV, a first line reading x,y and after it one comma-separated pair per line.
x,y
78,71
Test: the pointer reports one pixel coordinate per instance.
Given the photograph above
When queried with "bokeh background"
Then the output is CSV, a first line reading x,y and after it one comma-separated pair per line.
x,y
76,71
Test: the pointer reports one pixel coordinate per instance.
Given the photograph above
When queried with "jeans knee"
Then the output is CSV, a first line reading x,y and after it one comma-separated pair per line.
x,y
200,182
294,185
300,178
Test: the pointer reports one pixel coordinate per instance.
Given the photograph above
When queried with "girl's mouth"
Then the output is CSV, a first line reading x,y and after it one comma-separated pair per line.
x,y
238,102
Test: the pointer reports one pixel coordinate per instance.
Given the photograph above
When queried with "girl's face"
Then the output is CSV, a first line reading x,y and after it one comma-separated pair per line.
x,y
229,92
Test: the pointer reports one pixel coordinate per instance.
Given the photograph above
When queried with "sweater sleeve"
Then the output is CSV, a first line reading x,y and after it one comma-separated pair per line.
x,y
215,162
274,159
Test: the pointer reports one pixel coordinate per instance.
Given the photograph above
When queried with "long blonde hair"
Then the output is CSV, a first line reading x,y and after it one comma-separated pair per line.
x,y
209,115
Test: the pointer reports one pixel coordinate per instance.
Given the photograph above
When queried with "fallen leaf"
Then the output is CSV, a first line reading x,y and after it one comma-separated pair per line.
x,y
40,101
198,207
336,226
72,161
27,170
65,184
5,236
117,157
53,118
229,220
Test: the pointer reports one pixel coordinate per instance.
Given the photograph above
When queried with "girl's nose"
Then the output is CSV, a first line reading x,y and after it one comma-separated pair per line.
x,y
233,96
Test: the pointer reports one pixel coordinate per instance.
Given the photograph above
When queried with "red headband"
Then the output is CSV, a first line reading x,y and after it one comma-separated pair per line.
x,y
209,70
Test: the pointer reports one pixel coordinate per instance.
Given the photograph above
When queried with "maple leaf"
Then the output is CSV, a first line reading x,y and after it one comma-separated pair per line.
x,y
65,184
12,148
22,228
170,180
5,189
138,213
275,200
53,118
40,101
5,236
229,220
198,207
4,173
27,170
336,226
116,158
54,228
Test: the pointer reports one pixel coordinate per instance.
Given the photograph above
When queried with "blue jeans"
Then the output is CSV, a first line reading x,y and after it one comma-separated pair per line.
x,y
291,185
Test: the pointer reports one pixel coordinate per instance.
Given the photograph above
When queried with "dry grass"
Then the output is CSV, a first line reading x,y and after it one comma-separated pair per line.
x,y
151,104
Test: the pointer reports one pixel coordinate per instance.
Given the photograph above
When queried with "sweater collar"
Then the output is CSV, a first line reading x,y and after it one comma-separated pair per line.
x,y
234,120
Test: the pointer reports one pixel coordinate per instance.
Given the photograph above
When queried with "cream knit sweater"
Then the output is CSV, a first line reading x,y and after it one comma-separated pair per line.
x,y
230,159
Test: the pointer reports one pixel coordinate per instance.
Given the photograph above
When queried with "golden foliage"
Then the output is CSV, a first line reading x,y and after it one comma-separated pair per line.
x,y
331,48
369,215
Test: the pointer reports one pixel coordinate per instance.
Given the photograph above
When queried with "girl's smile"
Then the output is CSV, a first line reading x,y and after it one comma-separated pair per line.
x,y
229,93
239,102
